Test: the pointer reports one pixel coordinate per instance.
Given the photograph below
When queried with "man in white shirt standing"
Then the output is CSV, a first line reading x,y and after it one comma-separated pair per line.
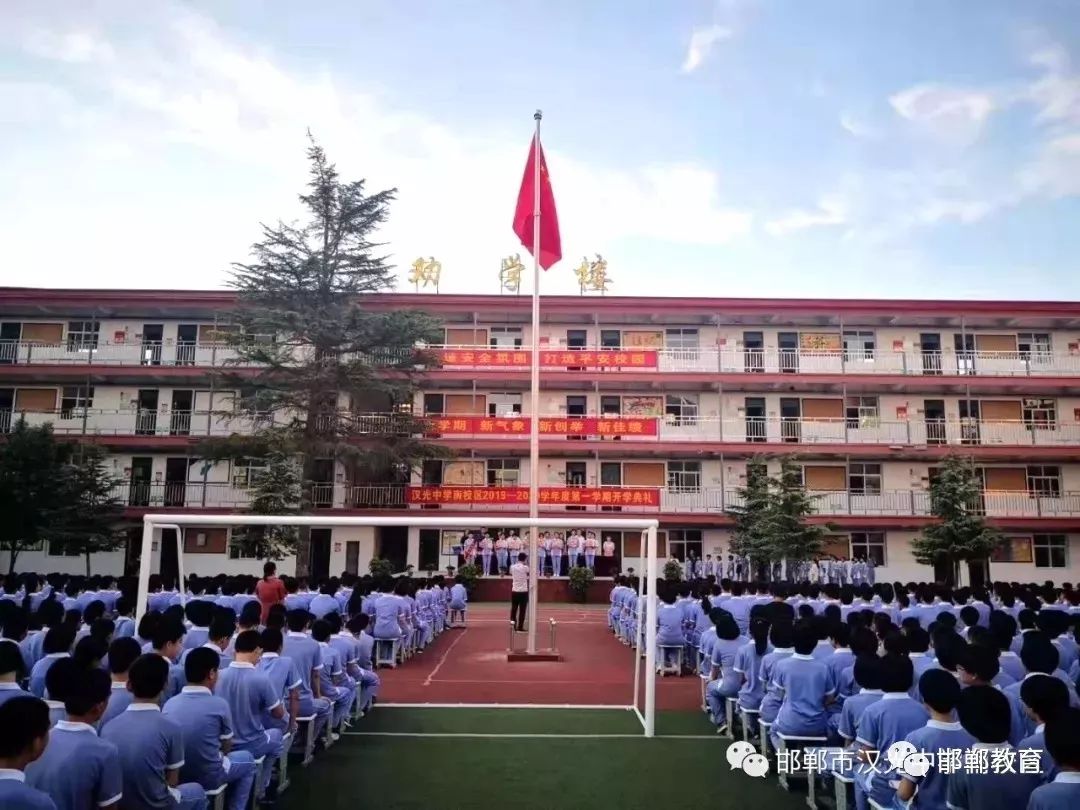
x,y
519,592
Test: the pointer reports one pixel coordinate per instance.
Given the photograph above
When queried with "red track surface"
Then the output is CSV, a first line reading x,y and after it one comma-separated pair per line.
x,y
469,665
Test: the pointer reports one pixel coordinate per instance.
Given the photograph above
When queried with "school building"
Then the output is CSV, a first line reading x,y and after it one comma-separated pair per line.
x,y
649,406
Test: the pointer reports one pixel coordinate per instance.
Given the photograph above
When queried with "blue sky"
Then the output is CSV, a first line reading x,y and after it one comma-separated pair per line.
x,y
703,147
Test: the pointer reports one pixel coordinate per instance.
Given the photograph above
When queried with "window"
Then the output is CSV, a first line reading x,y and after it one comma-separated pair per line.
x,y
681,340
59,550
861,411
859,345
503,472
82,336
246,472
500,404
868,546
1050,551
505,337
1034,346
680,409
864,479
682,542
684,475
75,399
1044,481
240,549
1040,413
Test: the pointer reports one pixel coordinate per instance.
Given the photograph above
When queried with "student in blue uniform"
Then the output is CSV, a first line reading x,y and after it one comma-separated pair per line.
x,y
122,654
307,657
724,681
79,770
807,689
984,713
669,625
284,679
867,675
168,643
459,600
782,638
25,721
334,684
252,697
977,665
11,670
365,643
1063,744
1042,697
150,746
324,602
200,613
748,665
205,721
57,644
885,722
940,694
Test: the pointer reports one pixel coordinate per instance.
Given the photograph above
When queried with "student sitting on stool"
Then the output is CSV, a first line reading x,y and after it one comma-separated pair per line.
x,y
25,721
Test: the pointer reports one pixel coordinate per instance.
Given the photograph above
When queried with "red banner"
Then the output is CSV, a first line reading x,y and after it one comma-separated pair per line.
x,y
578,496
561,426
602,358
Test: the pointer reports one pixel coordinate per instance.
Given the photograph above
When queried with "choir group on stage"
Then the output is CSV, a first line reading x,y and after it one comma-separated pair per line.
x,y
982,682
741,568
556,552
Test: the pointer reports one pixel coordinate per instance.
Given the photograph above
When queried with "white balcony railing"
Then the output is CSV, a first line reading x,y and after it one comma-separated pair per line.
x,y
135,422
947,362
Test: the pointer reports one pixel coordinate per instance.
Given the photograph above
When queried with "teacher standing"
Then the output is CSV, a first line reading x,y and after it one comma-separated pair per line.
x,y
519,592
270,590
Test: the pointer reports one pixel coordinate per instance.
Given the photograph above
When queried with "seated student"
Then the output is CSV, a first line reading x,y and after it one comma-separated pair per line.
x,y
151,747
205,721
325,602
885,722
841,657
57,682
168,643
748,665
284,679
459,600
782,637
1003,630
25,724
1063,745
79,770
669,625
348,646
1042,697
122,654
977,665
724,681
58,643
863,642
251,697
867,678
334,683
365,643
969,617
11,670
984,713
807,689
219,637
199,613
307,656
940,694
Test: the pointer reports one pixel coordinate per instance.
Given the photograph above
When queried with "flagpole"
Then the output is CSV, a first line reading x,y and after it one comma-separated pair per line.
x,y
534,399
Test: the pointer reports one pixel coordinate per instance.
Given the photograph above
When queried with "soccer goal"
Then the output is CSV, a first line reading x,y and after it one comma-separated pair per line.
x,y
645,709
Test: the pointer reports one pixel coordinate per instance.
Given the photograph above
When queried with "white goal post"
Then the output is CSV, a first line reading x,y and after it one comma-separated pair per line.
x,y
154,523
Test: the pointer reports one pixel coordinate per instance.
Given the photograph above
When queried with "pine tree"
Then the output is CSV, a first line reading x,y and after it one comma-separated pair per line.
x,y
91,518
790,535
276,490
32,463
960,533
321,356
751,536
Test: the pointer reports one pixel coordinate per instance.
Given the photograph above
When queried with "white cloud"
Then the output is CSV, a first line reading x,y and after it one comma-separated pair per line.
x,y
950,113
74,47
207,136
856,127
702,41
831,211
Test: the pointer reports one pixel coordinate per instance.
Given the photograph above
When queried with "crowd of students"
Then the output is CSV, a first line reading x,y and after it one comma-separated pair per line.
x,y
206,692
983,681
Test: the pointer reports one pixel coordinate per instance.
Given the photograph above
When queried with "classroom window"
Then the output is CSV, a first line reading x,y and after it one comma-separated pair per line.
x,y
859,345
1033,345
505,337
240,548
680,409
864,479
868,546
1044,481
246,472
684,475
75,399
1051,550
82,336
861,411
503,472
681,542
681,340
1040,413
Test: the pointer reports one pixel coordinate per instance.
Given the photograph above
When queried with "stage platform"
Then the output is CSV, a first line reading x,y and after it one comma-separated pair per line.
x,y
551,589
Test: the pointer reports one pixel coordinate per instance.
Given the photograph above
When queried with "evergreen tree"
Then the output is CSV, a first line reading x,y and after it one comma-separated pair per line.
x,y
276,490
790,536
320,356
960,533
32,463
752,534
91,517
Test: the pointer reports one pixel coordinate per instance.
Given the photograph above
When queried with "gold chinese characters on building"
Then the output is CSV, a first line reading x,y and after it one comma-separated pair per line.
x,y
593,276
425,272
510,274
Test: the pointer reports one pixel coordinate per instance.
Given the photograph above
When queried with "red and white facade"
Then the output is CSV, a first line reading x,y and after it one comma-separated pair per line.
x,y
647,406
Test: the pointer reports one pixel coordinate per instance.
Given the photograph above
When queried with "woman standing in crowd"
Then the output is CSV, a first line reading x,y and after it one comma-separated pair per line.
x,y
270,591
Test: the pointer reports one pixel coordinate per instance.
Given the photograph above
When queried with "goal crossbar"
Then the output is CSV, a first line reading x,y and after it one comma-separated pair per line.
x,y
648,527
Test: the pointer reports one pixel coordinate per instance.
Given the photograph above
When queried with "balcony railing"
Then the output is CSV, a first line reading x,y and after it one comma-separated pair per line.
x,y
947,362
704,500
752,430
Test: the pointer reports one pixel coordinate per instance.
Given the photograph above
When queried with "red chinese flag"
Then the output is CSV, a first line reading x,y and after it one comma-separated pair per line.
x,y
550,248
